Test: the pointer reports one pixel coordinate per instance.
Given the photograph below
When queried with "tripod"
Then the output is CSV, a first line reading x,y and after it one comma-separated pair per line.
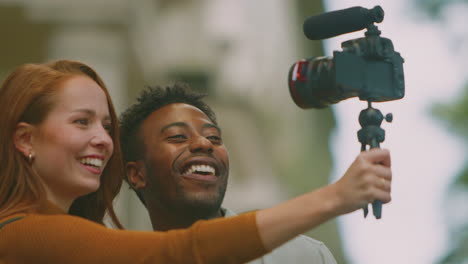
x,y
372,134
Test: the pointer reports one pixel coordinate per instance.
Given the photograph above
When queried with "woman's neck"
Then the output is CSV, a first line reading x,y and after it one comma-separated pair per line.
x,y
62,203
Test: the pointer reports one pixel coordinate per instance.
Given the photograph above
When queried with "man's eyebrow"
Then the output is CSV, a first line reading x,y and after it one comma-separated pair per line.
x,y
209,125
183,124
175,124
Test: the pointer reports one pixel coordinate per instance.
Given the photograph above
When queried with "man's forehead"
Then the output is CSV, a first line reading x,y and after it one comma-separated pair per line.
x,y
176,113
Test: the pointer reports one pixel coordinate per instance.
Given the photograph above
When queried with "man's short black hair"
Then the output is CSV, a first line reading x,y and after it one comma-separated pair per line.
x,y
150,100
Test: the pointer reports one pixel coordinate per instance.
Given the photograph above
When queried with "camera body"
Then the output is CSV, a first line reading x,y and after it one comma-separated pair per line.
x,y
368,68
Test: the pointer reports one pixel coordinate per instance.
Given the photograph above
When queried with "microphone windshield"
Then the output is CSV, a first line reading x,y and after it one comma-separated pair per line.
x,y
339,22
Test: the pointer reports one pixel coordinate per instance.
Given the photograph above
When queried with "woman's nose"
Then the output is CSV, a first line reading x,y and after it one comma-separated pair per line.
x,y
102,138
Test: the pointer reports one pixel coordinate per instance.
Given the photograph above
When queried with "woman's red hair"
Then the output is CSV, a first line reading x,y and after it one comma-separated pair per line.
x,y
27,95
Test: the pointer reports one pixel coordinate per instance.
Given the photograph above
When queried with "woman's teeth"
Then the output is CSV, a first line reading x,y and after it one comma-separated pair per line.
x,y
92,162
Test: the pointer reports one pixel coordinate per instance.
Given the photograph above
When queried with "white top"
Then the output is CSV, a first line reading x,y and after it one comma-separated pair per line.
x,y
300,250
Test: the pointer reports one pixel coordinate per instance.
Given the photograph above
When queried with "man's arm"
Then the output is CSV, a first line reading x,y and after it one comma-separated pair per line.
x,y
367,179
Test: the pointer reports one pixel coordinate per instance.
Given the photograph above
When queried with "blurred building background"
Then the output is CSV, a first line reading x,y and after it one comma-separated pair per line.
x,y
239,52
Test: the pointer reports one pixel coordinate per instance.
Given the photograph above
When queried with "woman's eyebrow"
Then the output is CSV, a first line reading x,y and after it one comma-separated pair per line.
x,y
85,110
91,113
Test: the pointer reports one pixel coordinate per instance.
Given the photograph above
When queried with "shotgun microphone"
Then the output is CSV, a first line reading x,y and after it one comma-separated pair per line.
x,y
339,22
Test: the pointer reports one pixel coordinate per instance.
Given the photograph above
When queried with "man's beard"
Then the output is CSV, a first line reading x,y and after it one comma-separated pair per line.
x,y
199,205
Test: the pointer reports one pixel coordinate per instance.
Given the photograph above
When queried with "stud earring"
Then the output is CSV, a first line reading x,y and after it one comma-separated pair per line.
x,y
30,157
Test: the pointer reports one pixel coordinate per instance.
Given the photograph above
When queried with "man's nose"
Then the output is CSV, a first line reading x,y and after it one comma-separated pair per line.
x,y
201,144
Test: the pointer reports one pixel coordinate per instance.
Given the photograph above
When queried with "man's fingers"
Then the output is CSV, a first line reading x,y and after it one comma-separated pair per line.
x,y
378,156
383,196
382,172
383,184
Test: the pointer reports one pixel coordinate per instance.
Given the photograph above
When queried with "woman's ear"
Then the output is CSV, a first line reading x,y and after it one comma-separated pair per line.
x,y
136,174
23,138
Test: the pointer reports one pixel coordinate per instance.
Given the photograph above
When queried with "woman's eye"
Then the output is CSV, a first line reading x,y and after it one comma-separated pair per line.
x,y
108,128
81,121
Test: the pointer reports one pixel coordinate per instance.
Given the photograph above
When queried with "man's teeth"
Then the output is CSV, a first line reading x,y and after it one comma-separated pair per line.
x,y
206,169
92,161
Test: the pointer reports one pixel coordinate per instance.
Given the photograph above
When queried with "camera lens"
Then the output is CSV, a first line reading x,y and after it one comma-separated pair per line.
x,y
311,83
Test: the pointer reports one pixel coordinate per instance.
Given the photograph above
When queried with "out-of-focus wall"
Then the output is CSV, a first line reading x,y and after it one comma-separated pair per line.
x,y
239,52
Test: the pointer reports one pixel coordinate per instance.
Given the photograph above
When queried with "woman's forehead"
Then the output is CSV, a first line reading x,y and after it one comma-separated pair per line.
x,y
83,93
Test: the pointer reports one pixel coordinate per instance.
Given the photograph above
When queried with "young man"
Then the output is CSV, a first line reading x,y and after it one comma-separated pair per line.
x,y
178,165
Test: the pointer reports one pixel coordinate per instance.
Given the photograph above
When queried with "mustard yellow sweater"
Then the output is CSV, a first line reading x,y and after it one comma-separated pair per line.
x,y
51,236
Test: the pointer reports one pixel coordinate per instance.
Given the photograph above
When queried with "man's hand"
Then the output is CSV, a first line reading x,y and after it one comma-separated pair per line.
x,y
366,180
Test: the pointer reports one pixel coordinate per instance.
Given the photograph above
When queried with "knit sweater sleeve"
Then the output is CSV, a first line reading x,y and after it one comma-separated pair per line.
x,y
68,239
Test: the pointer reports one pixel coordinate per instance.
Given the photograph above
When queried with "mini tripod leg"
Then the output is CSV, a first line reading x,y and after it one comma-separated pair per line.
x,y
366,210
377,209
377,204
366,207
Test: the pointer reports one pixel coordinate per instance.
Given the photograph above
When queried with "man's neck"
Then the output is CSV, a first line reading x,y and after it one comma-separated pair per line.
x,y
163,219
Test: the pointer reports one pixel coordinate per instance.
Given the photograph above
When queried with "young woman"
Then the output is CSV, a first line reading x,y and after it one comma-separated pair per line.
x,y
61,168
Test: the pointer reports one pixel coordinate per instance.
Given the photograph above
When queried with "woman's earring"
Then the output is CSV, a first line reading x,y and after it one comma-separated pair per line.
x,y
30,157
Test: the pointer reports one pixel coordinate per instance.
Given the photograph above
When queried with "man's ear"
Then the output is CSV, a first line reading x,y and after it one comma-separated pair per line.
x,y
136,174
23,138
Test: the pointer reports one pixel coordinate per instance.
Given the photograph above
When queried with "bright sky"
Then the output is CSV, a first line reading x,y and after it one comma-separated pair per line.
x,y
425,156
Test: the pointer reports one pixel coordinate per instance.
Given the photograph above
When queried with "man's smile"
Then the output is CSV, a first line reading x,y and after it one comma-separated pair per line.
x,y
201,169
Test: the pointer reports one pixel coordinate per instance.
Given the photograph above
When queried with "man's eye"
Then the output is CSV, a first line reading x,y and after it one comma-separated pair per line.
x,y
215,139
178,137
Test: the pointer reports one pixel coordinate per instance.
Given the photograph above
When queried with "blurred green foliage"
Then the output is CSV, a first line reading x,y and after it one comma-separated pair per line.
x,y
434,8
455,116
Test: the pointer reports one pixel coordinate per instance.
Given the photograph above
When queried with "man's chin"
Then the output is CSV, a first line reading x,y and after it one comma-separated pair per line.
x,y
201,199
202,203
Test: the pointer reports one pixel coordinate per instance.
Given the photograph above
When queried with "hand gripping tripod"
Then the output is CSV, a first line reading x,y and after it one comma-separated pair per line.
x,y
372,134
